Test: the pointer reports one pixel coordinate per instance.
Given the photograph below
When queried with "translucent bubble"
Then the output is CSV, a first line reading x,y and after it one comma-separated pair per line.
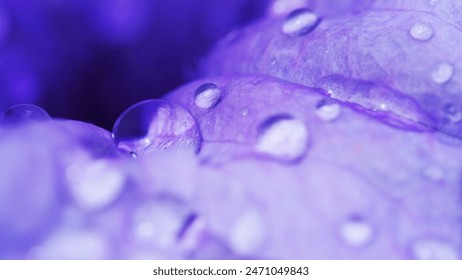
x,y
23,113
356,232
300,22
155,125
421,32
327,110
452,113
207,96
442,73
283,137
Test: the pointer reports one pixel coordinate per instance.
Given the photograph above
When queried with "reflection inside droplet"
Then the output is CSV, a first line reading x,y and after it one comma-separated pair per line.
x,y
356,232
283,137
207,96
300,22
327,110
442,73
23,113
155,125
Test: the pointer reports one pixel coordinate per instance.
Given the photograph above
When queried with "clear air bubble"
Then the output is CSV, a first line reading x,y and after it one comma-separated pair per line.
x,y
155,125
22,113
442,73
283,137
421,31
248,233
95,184
300,22
327,110
434,249
356,232
207,96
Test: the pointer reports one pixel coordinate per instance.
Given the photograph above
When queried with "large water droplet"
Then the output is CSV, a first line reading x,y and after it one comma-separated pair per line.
x,y
356,232
442,73
154,125
434,249
283,137
248,233
327,110
207,96
95,184
300,22
23,113
421,31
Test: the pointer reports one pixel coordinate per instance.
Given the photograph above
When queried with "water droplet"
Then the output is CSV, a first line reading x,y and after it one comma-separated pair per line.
x,y
248,233
442,73
23,113
434,249
300,22
452,113
159,222
155,125
283,137
207,96
433,172
95,184
356,232
245,112
421,31
327,110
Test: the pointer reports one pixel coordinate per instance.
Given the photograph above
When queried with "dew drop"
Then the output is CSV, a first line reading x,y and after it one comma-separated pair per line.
x,y
356,232
248,233
155,125
207,96
452,113
300,22
327,111
434,249
23,113
283,137
158,222
442,73
421,32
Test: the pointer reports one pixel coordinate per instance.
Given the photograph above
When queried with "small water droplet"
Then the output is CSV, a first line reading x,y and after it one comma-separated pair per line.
x,y
283,137
433,172
442,73
452,113
155,125
207,96
356,232
327,110
245,112
159,222
248,233
421,31
434,249
300,22
23,113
